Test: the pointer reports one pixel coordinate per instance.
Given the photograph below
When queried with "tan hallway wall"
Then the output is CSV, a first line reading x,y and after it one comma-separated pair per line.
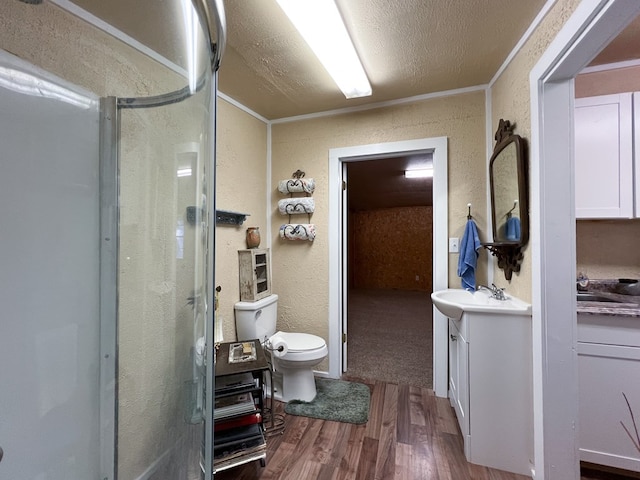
x,y
300,269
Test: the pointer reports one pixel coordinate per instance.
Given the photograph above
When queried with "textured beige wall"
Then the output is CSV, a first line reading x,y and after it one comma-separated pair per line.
x,y
241,186
300,269
607,248
153,341
510,99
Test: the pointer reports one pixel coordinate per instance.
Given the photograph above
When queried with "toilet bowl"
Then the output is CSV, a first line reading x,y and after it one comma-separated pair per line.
x,y
293,366
293,354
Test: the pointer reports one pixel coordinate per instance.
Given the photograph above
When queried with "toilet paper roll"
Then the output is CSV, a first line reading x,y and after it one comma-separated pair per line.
x,y
279,347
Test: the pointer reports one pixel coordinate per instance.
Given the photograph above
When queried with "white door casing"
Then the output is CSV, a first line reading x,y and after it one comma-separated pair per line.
x,y
337,238
555,369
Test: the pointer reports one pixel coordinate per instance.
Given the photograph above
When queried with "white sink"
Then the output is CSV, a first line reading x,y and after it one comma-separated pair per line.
x,y
453,302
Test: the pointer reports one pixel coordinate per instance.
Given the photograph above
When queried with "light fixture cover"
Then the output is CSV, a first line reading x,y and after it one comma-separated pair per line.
x,y
320,24
419,173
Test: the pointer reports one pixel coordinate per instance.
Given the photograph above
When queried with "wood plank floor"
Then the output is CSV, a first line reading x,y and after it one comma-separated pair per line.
x,y
410,435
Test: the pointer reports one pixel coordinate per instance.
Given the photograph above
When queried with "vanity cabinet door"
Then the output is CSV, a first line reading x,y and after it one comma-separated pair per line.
x,y
458,376
604,156
606,371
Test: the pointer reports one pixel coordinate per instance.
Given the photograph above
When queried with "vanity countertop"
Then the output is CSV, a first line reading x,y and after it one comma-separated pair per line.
x,y
622,305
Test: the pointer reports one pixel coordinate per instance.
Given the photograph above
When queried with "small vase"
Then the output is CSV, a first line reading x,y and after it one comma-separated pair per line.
x,y
253,237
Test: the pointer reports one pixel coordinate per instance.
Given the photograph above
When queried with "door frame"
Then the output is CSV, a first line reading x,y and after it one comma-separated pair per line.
x,y
592,25
437,146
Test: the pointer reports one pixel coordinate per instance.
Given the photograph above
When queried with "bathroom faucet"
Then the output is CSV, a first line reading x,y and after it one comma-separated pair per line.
x,y
496,292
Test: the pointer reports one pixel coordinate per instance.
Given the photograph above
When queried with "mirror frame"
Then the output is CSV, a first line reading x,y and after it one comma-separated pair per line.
x,y
509,253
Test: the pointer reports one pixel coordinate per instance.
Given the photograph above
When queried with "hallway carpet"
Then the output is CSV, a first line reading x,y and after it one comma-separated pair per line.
x,y
390,336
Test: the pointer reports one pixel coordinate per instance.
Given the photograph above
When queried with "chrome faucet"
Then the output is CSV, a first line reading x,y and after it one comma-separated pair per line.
x,y
496,292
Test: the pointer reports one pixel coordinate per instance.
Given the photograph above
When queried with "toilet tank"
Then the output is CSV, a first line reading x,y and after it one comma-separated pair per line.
x,y
256,319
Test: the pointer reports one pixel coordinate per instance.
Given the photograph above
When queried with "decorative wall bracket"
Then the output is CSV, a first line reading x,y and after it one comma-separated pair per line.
x,y
509,256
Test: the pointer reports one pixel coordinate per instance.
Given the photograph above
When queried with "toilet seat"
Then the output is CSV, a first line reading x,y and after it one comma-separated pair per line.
x,y
302,346
301,342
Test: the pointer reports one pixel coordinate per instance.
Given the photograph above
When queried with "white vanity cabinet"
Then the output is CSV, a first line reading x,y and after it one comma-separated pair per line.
x,y
609,364
490,388
604,180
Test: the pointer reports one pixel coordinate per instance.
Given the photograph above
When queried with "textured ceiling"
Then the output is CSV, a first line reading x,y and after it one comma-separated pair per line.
x,y
408,48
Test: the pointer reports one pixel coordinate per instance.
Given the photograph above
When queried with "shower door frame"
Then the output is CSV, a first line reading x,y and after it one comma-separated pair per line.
x,y
109,235
109,267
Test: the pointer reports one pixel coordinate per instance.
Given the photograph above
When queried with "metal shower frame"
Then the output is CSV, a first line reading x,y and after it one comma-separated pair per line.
x,y
212,18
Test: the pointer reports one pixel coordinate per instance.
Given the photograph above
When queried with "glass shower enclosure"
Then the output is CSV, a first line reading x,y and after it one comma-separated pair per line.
x,y
106,265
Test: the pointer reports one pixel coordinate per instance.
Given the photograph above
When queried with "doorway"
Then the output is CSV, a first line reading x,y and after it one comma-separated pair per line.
x,y
338,242
590,28
390,270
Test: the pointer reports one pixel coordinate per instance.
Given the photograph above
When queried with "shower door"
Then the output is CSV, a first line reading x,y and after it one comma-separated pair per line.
x,y
106,196
49,277
162,289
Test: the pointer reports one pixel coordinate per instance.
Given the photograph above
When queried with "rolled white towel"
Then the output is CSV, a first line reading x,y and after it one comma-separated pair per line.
x,y
297,185
292,206
298,231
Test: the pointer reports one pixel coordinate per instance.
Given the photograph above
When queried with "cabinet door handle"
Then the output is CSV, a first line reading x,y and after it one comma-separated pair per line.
x,y
453,337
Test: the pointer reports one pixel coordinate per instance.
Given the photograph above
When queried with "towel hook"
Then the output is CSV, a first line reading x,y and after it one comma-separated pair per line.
x,y
515,203
469,216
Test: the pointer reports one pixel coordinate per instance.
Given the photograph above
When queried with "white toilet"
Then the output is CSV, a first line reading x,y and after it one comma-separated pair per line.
x,y
293,355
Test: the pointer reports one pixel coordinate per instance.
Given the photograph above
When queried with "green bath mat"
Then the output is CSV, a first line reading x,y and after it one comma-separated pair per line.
x,y
336,400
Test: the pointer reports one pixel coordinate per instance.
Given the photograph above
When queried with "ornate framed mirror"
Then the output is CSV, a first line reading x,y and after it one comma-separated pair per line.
x,y
509,199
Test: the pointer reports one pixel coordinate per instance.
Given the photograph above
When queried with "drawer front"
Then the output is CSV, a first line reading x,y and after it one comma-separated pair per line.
x,y
609,330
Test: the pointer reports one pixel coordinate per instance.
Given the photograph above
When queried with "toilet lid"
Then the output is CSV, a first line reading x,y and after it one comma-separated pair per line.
x,y
301,341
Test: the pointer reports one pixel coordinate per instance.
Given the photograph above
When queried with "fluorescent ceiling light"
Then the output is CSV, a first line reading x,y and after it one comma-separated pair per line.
x,y
419,173
320,24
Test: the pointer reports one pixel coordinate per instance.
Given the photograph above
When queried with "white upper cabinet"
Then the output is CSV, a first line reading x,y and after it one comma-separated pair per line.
x,y
604,136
